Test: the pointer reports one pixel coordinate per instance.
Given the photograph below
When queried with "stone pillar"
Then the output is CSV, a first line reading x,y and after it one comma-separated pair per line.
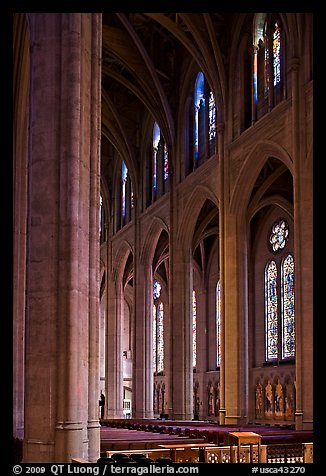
x,y
231,332
220,138
95,26
303,250
62,289
142,377
181,381
113,347
20,92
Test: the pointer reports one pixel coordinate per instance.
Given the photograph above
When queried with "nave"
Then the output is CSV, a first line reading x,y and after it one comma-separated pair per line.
x,y
182,442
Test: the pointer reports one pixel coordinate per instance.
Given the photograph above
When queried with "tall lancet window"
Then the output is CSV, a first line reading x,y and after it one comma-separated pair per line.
x,y
268,73
158,329
194,329
211,122
124,175
276,54
199,126
279,297
204,126
160,163
218,324
271,311
156,139
166,163
126,196
288,327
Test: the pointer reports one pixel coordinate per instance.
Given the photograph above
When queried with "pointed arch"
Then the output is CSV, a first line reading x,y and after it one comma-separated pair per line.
x,y
151,239
242,188
121,259
190,214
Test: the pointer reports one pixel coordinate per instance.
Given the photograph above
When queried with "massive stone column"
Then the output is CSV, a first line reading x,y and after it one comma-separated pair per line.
x,y
181,376
232,337
143,379
113,350
20,146
62,290
303,249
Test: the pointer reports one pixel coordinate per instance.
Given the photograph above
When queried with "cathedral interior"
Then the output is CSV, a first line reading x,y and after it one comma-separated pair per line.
x,y
163,225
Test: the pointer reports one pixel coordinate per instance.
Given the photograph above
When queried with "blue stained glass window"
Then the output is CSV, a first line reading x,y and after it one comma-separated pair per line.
x,y
271,311
124,175
198,99
288,315
156,139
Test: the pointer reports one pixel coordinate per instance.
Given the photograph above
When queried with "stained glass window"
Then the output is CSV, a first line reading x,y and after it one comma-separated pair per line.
x,y
154,338
271,311
156,139
194,329
218,325
279,235
156,289
267,63
288,316
211,117
160,160
158,329
166,162
160,336
124,175
277,54
199,100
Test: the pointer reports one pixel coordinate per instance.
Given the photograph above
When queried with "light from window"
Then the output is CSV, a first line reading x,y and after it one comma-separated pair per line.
x,y
124,175
277,54
154,338
218,324
279,235
194,328
288,317
157,329
199,100
166,162
156,140
211,117
160,339
156,289
271,311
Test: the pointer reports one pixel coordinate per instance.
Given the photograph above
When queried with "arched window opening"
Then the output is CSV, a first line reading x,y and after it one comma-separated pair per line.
x,y
126,195
199,129
204,123
268,64
279,298
160,164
